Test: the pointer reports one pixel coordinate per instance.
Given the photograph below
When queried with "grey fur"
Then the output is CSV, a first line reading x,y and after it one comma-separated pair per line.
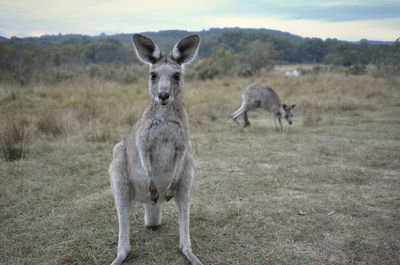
x,y
154,162
262,96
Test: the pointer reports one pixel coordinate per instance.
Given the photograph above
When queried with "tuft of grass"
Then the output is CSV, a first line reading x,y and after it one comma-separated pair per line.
x,y
9,98
13,137
311,117
50,122
98,132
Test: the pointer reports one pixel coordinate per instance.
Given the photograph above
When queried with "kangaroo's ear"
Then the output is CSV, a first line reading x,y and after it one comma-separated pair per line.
x,y
146,49
284,106
294,105
185,50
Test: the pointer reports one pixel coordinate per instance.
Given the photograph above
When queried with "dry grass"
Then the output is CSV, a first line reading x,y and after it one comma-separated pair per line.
x,y
260,197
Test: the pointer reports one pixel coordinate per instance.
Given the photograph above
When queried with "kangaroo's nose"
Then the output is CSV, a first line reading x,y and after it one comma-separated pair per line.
x,y
163,95
290,122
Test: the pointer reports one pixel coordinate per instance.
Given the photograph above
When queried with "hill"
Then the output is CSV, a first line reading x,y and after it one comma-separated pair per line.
x,y
223,51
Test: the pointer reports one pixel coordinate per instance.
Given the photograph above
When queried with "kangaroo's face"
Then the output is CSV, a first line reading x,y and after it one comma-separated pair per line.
x,y
165,82
287,112
166,72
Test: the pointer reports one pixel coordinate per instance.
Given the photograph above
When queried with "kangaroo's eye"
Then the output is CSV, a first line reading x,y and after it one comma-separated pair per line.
x,y
177,76
153,76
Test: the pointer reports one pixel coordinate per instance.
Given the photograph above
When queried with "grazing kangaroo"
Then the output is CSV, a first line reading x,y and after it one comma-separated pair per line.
x,y
262,96
154,162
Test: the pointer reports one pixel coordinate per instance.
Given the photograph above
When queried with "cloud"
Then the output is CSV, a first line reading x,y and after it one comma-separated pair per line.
x,y
348,12
306,18
23,18
348,30
317,10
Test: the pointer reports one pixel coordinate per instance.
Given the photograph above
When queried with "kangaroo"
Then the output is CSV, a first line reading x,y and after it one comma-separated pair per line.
x,y
262,96
154,162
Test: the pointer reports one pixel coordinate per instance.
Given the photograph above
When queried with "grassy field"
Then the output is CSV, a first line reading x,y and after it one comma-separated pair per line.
x,y
325,191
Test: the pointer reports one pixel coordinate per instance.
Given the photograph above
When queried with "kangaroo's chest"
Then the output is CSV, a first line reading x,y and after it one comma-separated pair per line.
x,y
164,137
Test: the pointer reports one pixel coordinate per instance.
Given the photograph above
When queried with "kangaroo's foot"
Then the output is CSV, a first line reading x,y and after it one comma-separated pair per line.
x,y
190,256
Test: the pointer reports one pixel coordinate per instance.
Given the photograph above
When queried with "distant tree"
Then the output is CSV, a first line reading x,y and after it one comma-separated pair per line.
x,y
108,51
341,53
259,54
57,59
395,52
347,53
312,50
364,53
6,57
225,59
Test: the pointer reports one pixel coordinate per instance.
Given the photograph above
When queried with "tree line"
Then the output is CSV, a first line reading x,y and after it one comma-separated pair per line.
x,y
235,51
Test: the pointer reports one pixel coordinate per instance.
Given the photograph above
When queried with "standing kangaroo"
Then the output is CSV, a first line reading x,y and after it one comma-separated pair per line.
x,y
154,162
262,96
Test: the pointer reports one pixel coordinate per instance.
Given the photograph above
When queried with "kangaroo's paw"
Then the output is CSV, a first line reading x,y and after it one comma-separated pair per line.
x,y
153,192
170,192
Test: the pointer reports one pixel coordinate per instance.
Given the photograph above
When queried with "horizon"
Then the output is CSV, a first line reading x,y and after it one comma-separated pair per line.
x,y
189,31
350,20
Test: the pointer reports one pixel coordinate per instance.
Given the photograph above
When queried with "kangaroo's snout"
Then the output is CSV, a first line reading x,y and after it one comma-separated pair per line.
x,y
290,122
163,97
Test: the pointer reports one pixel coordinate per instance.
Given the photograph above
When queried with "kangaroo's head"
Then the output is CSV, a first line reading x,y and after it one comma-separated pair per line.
x,y
166,72
287,112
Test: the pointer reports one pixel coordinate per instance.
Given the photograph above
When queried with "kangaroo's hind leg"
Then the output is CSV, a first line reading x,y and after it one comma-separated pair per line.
x,y
183,202
237,113
246,119
122,196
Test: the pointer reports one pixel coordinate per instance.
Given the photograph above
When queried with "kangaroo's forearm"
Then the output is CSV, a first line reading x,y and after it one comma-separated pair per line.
x,y
171,190
180,156
146,164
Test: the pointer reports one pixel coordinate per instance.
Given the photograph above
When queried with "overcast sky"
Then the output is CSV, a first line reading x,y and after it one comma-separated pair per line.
x,y
346,20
